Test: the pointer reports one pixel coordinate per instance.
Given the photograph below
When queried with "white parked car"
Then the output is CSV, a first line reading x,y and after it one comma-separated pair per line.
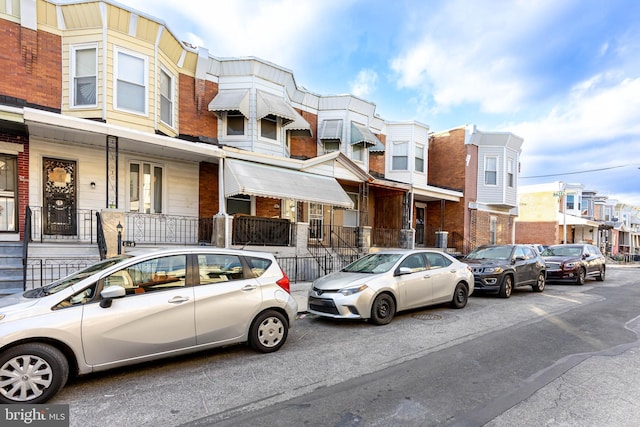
x,y
131,309
380,284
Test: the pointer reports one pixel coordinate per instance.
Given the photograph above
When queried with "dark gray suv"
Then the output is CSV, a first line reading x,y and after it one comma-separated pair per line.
x,y
501,268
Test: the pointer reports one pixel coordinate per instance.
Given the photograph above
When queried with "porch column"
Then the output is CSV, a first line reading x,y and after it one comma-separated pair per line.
x,y
302,238
110,220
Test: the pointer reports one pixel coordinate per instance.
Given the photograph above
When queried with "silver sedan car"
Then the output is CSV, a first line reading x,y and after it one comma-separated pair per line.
x,y
131,309
378,285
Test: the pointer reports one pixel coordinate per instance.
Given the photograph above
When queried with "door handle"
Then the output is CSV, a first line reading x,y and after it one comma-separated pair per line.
x,y
249,287
178,300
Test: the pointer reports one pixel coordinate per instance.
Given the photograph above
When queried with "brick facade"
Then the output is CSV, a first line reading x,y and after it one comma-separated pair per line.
x,y
31,64
541,232
195,118
208,190
303,145
266,207
377,159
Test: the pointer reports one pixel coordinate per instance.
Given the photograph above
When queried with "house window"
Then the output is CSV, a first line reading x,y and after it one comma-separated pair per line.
x,y
400,159
419,158
510,176
235,123
493,230
570,201
145,187
131,82
166,97
269,127
357,152
84,73
351,215
331,145
490,170
239,204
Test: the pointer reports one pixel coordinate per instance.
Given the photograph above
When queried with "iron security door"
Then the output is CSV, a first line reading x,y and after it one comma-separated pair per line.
x,y
59,180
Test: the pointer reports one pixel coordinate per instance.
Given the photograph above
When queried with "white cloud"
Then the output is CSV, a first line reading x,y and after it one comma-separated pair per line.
x,y
364,83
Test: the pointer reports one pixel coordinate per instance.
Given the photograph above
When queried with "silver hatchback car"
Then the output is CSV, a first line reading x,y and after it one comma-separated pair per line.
x,y
378,285
131,309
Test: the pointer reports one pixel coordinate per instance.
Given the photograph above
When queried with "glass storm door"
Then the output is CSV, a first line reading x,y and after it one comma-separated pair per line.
x,y
59,210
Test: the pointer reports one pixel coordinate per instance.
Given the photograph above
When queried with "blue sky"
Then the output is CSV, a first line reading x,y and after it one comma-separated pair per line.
x,y
562,74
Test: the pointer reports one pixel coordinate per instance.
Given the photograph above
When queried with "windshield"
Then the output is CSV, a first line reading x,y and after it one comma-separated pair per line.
x,y
562,251
73,278
373,263
493,252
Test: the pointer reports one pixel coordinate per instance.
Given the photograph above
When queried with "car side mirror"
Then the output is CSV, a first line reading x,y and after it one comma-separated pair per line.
x,y
403,270
108,294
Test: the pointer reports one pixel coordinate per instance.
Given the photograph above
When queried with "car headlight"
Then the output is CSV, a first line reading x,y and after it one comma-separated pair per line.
x,y
493,270
570,265
351,291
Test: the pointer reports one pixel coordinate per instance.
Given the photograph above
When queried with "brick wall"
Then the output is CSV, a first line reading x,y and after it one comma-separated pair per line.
x,y
31,64
303,145
542,232
195,118
480,223
208,188
23,173
266,207
376,160
447,155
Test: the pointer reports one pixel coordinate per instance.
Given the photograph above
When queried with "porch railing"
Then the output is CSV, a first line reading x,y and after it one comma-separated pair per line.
x,y
100,239
25,245
83,220
39,272
155,229
252,230
309,268
386,237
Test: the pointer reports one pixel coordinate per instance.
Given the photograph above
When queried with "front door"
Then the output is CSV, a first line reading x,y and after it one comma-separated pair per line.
x,y
419,226
59,208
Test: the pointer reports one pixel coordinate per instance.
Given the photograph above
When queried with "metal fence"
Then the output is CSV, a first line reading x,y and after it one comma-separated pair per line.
x,y
39,272
309,268
156,229
83,226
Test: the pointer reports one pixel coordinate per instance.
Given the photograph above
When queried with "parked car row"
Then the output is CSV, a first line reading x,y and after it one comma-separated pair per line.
x,y
160,303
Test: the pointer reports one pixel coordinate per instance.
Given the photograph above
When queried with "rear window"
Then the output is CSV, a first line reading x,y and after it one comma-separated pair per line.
x,y
215,268
258,265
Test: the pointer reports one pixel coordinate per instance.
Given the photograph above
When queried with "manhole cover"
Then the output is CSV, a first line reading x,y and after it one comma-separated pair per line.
x,y
427,316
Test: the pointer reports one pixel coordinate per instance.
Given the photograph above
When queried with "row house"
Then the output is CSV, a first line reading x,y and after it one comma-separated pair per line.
x,y
560,212
113,133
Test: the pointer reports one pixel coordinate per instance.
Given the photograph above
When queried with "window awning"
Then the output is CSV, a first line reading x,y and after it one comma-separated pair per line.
x,y
267,104
231,100
299,124
331,129
269,181
361,134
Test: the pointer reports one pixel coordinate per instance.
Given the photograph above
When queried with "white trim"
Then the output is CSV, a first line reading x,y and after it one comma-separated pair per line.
x,y
73,49
117,50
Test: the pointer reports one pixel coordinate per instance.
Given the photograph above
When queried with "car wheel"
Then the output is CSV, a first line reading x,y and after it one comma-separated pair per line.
x,y
460,296
539,286
507,287
600,277
32,373
268,332
581,276
383,309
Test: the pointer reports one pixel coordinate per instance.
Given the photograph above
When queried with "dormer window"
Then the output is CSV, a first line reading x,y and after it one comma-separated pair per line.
x,y
357,152
235,123
269,127
166,97
331,145
84,76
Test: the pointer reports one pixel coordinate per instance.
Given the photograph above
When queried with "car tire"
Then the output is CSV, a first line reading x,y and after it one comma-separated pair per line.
x,y
32,373
460,296
600,277
540,283
506,287
582,274
383,309
268,331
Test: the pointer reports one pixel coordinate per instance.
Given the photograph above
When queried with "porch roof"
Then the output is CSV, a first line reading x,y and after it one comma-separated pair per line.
x,y
575,220
256,179
431,193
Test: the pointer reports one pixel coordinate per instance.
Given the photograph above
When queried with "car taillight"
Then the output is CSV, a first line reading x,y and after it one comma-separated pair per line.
x,y
284,282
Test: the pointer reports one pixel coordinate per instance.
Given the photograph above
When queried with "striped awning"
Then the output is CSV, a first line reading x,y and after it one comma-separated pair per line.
x,y
330,129
361,134
231,100
269,104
